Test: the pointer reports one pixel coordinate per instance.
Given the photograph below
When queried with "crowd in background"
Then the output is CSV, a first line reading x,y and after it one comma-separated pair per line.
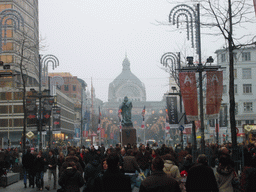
x,y
146,167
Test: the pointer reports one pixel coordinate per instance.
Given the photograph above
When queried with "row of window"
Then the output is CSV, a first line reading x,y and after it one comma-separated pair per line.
x,y
248,107
66,87
246,56
246,73
247,89
240,123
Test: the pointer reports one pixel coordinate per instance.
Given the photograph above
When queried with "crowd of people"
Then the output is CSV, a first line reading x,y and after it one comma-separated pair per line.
x,y
149,168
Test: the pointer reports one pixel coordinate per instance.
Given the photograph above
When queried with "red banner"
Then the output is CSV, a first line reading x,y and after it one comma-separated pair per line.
x,y
189,94
111,135
102,133
214,91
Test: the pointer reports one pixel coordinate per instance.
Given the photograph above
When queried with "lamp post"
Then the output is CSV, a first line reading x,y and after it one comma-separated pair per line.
x,y
39,95
193,21
172,61
46,60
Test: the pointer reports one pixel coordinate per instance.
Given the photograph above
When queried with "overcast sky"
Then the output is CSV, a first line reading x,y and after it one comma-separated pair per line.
x,y
91,37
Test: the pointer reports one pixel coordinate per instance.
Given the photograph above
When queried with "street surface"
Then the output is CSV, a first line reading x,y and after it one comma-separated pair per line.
x,y
19,186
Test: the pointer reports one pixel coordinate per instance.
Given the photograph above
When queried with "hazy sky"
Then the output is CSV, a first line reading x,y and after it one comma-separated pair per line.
x,y
91,37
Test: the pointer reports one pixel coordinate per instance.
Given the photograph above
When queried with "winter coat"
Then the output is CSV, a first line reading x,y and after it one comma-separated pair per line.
x,y
39,164
112,181
144,160
91,171
52,160
71,180
71,159
171,169
201,178
28,161
224,176
159,181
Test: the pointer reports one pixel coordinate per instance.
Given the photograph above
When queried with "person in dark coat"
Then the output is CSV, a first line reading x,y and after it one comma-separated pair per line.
x,y
201,177
70,179
129,167
52,165
39,163
112,180
159,181
91,171
71,158
28,160
144,159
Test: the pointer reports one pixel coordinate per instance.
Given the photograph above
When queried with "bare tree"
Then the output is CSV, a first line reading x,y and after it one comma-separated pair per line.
x,y
227,16
25,49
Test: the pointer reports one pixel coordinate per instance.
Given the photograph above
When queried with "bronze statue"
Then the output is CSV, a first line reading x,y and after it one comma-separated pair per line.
x,y
126,108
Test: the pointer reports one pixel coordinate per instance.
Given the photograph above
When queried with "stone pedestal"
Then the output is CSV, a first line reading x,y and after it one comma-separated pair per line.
x,y
128,136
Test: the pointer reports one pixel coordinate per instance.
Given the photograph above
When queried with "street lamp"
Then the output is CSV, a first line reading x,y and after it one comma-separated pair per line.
x,y
193,21
46,60
174,58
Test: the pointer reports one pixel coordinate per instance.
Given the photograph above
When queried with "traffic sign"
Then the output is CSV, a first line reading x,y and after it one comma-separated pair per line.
x,y
181,128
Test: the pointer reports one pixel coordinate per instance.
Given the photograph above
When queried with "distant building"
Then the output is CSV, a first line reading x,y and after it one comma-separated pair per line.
x,y
244,86
74,88
127,84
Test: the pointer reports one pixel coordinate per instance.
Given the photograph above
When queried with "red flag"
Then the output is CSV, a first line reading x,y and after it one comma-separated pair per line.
x,y
214,91
120,119
143,117
102,133
189,94
111,135
99,128
120,126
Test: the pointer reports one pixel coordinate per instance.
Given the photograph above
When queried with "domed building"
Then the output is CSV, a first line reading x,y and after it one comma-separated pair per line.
x,y
126,84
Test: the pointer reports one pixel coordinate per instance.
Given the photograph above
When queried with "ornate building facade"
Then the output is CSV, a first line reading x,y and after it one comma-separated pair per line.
x,y
127,84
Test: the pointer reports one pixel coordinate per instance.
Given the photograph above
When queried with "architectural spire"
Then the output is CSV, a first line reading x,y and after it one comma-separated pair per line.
x,y
126,63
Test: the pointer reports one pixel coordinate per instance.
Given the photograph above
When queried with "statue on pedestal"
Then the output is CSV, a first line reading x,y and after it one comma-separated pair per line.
x,y
126,108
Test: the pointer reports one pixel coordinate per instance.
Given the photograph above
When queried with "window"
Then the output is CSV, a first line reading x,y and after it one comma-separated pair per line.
x,y
223,57
247,88
249,121
18,109
248,107
224,73
74,87
18,122
235,88
238,123
235,73
66,87
236,108
8,46
224,89
246,73
246,56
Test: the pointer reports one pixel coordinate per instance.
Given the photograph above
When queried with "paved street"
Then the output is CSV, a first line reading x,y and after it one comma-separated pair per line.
x,y
19,186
